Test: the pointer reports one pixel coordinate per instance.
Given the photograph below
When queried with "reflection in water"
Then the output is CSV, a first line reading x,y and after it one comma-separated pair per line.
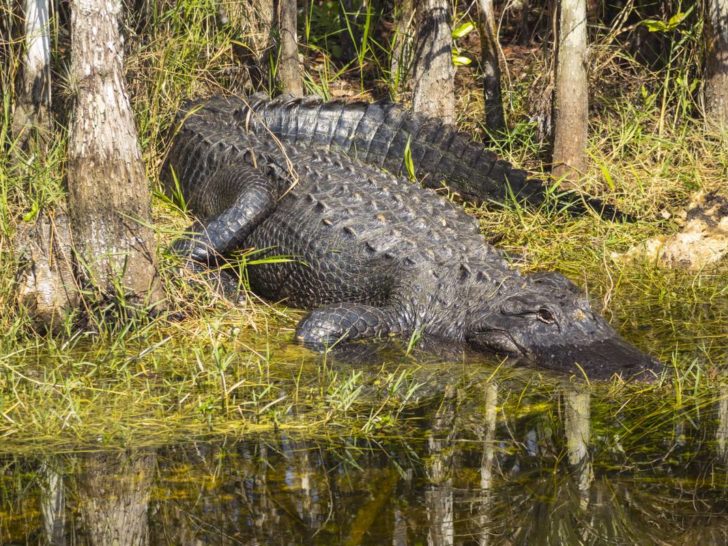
x,y
113,493
399,536
439,495
372,509
486,463
721,435
578,430
53,501
491,465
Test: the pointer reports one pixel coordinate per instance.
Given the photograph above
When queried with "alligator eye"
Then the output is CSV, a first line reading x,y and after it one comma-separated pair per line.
x,y
544,315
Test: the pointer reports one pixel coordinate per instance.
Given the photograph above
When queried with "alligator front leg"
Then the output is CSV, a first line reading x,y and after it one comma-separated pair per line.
x,y
341,322
256,196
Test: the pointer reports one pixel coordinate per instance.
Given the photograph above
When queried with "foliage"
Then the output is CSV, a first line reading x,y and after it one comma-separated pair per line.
x,y
230,367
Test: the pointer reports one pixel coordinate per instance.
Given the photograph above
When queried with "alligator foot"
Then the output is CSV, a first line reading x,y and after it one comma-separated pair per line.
x,y
327,326
226,225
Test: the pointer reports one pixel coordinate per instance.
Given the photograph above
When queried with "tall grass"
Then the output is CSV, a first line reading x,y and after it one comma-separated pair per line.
x,y
231,366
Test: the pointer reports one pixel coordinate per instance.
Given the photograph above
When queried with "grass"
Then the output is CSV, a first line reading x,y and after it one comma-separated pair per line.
x,y
230,368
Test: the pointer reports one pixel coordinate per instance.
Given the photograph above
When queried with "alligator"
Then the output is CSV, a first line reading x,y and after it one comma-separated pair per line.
x,y
371,253
386,135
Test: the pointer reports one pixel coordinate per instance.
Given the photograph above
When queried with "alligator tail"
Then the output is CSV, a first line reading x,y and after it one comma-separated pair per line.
x,y
387,135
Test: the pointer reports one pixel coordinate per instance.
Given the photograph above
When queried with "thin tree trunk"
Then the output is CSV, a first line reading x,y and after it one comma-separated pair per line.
x,y
593,11
524,35
33,103
571,105
494,119
109,198
434,72
289,71
716,82
256,20
721,434
404,11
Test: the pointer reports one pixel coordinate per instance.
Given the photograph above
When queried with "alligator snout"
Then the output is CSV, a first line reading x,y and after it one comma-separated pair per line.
x,y
600,359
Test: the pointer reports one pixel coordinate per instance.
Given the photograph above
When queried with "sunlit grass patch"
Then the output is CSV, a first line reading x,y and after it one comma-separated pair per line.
x,y
212,365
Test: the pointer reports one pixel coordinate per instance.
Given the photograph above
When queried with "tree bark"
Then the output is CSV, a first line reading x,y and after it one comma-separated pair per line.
x,y
113,493
289,70
571,101
46,286
721,434
109,198
494,118
256,20
33,102
434,72
716,81
401,48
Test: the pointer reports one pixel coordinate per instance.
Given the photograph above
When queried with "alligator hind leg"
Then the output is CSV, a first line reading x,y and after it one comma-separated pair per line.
x,y
332,324
254,197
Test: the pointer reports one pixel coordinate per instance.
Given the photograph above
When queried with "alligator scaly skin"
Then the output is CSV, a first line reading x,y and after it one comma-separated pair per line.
x,y
371,253
379,133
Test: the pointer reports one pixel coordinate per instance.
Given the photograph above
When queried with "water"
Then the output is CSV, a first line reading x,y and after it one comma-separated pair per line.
x,y
518,461
196,433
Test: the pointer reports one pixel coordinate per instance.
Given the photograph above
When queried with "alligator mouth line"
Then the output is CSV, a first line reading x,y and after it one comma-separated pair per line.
x,y
498,348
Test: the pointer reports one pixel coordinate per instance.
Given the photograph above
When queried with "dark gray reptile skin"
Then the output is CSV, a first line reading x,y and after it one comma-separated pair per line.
x,y
379,133
372,253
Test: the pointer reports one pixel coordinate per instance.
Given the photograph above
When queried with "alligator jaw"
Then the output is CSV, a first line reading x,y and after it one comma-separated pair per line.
x,y
601,359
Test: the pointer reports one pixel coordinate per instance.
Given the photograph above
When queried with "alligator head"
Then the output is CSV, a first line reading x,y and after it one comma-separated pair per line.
x,y
548,321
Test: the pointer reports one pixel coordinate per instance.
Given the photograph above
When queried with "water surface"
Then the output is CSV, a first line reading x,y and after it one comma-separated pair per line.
x,y
510,462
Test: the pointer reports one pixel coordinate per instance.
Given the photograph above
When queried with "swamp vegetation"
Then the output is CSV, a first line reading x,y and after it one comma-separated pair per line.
x,y
219,429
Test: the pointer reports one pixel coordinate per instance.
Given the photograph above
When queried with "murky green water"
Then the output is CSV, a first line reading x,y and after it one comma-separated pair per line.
x,y
513,462
396,448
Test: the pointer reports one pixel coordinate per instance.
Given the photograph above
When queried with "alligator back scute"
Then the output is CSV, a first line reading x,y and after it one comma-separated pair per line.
x,y
379,133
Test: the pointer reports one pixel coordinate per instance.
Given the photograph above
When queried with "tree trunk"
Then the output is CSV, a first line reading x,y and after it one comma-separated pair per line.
x,y
571,104
404,11
524,34
289,71
721,434
256,20
33,103
109,198
46,286
261,25
494,119
434,72
716,81
113,493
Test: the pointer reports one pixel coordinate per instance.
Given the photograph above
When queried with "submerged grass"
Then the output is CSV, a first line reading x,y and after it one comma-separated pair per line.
x,y
231,368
